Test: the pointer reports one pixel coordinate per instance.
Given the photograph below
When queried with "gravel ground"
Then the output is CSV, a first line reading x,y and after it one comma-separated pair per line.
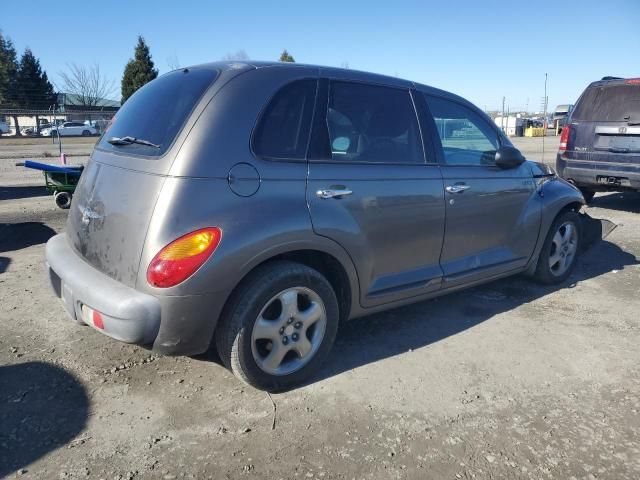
x,y
508,380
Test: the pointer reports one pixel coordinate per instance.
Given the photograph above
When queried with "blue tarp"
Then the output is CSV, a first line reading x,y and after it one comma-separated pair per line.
x,y
45,167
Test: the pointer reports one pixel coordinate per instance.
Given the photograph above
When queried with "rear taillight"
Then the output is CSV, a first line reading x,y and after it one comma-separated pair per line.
x,y
181,258
632,81
564,138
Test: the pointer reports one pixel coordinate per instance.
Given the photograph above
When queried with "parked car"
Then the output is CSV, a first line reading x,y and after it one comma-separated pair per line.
x,y
4,128
600,145
69,129
268,202
560,115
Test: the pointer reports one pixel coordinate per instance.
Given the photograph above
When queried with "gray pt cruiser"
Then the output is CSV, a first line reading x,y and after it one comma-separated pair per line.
x,y
256,206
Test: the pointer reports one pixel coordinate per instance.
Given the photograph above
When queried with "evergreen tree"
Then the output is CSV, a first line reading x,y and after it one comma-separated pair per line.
x,y
139,70
9,77
35,92
286,57
8,72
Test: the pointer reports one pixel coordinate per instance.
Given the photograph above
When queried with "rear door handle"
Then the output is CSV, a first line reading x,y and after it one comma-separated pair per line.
x,y
457,188
331,193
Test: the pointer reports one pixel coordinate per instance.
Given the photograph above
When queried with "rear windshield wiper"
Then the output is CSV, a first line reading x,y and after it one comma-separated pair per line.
x,y
129,140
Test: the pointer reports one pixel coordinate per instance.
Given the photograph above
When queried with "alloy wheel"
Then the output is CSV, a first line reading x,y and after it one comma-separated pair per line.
x,y
563,248
288,331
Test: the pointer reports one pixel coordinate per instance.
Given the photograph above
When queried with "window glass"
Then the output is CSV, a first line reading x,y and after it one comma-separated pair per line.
x,y
609,103
283,131
368,123
467,139
157,111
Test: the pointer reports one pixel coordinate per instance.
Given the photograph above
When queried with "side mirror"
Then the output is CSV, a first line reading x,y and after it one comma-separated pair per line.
x,y
509,157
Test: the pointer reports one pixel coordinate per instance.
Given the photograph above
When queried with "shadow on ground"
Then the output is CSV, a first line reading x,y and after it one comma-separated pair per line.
x,y
622,201
42,407
15,192
375,337
369,339
4,264
15,236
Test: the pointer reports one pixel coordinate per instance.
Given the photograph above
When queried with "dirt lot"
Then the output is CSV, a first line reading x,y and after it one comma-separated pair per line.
x,y
509,380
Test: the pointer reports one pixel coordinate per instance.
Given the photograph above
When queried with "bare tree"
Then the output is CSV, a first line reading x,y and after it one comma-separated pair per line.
x,y
87,84
240,55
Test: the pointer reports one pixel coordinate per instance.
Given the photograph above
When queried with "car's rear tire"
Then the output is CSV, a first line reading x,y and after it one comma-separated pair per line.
x,y
279,326
587,194
63,200
86,133
560,249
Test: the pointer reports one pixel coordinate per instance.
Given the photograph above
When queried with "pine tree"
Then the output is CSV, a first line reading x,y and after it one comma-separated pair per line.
x,y
139,70
286,57
9,76
35,92
8,72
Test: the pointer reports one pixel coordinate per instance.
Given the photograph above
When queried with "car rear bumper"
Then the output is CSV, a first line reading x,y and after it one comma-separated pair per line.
x,y
172,325
599,175
128,315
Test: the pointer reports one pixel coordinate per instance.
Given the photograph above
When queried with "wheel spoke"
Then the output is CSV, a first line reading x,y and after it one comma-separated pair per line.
x,y
557,239
563,264
265,329
568,231
553,259
275,356
311,315
303,346
289,301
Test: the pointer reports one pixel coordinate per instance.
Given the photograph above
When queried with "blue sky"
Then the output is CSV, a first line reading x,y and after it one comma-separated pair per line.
x,y
482,50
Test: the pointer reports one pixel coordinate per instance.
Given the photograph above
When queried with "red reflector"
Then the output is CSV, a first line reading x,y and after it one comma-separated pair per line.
x,y
97,320
564,138
181,258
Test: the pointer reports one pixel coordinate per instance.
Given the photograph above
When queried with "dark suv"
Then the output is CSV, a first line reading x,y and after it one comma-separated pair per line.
x,y
600,144
260,204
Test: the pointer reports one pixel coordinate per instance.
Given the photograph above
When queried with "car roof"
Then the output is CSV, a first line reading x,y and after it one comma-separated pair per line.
x,y
615,81
336,72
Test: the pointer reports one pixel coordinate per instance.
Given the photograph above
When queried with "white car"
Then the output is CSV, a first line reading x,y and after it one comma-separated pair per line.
x,y
70,128
4,128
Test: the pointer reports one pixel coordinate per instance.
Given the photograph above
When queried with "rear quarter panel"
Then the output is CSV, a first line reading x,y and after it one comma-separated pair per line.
x,y
197,194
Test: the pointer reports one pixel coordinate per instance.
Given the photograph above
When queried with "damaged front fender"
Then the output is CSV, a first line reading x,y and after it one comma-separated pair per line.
x,y
594,230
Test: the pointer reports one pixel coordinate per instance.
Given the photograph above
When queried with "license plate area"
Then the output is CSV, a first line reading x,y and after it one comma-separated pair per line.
x,y
613,181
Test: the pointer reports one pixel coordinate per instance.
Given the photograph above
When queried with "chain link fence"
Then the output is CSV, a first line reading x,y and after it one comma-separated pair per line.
x,y
33,123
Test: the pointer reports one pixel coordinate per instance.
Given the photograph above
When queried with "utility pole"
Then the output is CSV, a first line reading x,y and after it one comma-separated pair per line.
x,y
502,117
544,134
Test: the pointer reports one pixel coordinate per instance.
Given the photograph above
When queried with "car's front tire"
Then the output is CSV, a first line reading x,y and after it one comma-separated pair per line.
x,y
560,249
279,326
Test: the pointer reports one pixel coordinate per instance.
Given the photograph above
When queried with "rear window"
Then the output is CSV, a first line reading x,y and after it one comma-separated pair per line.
x,y
157,111
612,103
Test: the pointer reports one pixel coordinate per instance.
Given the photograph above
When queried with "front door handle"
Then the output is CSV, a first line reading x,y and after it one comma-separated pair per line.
x,y
331,193
457,188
